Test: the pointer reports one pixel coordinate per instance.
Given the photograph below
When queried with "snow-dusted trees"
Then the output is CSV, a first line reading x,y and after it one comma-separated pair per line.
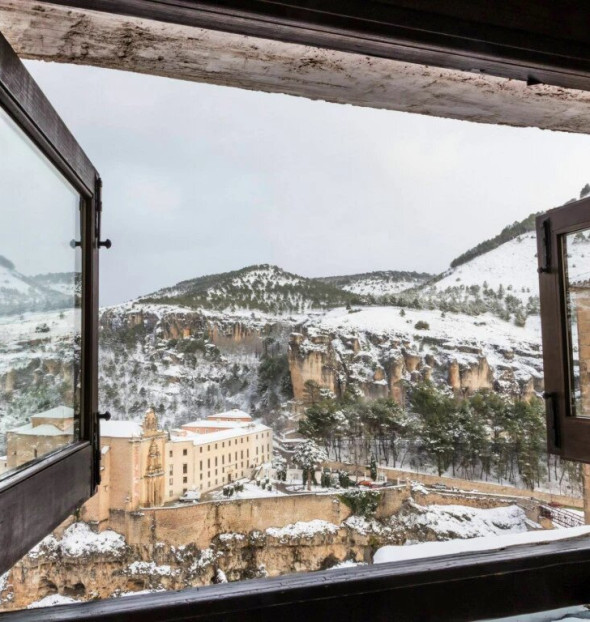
x,y
483,436
308,456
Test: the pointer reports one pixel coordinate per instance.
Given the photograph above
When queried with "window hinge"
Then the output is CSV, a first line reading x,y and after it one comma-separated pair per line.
x,y
545,264
552,418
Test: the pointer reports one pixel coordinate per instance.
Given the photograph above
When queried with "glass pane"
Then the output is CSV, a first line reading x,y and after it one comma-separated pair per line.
x,y
577,279
39,303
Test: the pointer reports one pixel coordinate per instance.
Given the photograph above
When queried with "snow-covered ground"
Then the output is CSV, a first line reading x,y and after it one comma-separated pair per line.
x,y
455,328
497,267
484,543
251,491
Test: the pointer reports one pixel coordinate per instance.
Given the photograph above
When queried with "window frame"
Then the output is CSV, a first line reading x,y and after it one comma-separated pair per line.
x,y
468,586
567,436
61,481
495,583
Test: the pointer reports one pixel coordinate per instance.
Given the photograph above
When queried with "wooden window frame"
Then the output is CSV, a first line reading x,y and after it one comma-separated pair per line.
x,y
37,498
567,435
468,586
528,46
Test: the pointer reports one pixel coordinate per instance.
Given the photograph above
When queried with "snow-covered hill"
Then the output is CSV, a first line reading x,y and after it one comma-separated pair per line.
x,y
264,288
511,267
19,293
377,284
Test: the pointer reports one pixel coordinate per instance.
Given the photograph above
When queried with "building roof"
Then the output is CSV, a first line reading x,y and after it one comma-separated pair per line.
x,y
205,438
46,429
234,413
59,412
205,423
120,429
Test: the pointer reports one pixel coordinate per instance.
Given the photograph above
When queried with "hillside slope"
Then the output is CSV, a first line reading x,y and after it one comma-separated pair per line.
x,y
379,283
19,293
263,288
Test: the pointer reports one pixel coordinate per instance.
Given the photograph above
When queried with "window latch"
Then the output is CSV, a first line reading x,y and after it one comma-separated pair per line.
x,y
106,243
545,240
105,415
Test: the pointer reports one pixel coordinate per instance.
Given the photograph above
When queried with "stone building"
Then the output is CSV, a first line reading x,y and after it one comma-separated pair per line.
x,y
144,466
46,432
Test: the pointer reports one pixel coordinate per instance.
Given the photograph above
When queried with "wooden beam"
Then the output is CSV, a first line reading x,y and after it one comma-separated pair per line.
x,y
49,32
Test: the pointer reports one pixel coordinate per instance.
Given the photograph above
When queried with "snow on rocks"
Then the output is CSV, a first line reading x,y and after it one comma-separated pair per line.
x,y
151,569
52,600
302,529
78,539
447,522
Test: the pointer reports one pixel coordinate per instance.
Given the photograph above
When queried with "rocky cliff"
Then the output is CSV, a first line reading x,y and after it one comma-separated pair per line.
x,y
374,351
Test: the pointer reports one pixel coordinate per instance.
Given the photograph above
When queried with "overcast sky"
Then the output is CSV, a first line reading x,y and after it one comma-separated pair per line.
x,y
201,179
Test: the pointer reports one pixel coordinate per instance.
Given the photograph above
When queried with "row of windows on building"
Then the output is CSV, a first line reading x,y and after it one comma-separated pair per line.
x,y
185,451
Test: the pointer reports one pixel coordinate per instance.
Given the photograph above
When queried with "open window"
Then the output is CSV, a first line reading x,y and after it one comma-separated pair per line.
x,y
49,192
563,236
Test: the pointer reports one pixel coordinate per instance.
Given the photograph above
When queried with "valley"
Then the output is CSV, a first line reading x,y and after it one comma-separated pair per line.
x,y
392,373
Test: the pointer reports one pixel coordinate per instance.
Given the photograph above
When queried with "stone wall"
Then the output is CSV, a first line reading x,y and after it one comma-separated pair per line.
x,y
489,488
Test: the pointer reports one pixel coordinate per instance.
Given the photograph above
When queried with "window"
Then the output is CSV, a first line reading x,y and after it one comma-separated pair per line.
x,y
184,480
185,468
59,208
565,321
170,481
170,453
184,452
423,591
171,470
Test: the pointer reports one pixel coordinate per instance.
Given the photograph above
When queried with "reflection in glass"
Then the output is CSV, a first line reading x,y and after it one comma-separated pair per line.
x,y
577,281
39,303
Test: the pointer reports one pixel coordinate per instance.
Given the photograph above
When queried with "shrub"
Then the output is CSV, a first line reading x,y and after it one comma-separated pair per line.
x,y
361,502
421,325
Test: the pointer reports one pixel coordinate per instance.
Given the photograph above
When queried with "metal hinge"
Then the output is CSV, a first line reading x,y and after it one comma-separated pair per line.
x,y
545,259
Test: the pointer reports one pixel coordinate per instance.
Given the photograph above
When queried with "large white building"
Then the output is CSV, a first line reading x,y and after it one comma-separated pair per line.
x,y
144,466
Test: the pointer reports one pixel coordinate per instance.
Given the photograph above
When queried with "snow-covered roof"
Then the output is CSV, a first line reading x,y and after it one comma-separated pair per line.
x,y
60,412
208,437
204,423
234,413
120,429
42,430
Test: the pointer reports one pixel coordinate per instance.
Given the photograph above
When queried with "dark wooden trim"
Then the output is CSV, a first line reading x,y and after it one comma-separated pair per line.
x,y
568,436
38,497
36,500
539,42
24,100
469,586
